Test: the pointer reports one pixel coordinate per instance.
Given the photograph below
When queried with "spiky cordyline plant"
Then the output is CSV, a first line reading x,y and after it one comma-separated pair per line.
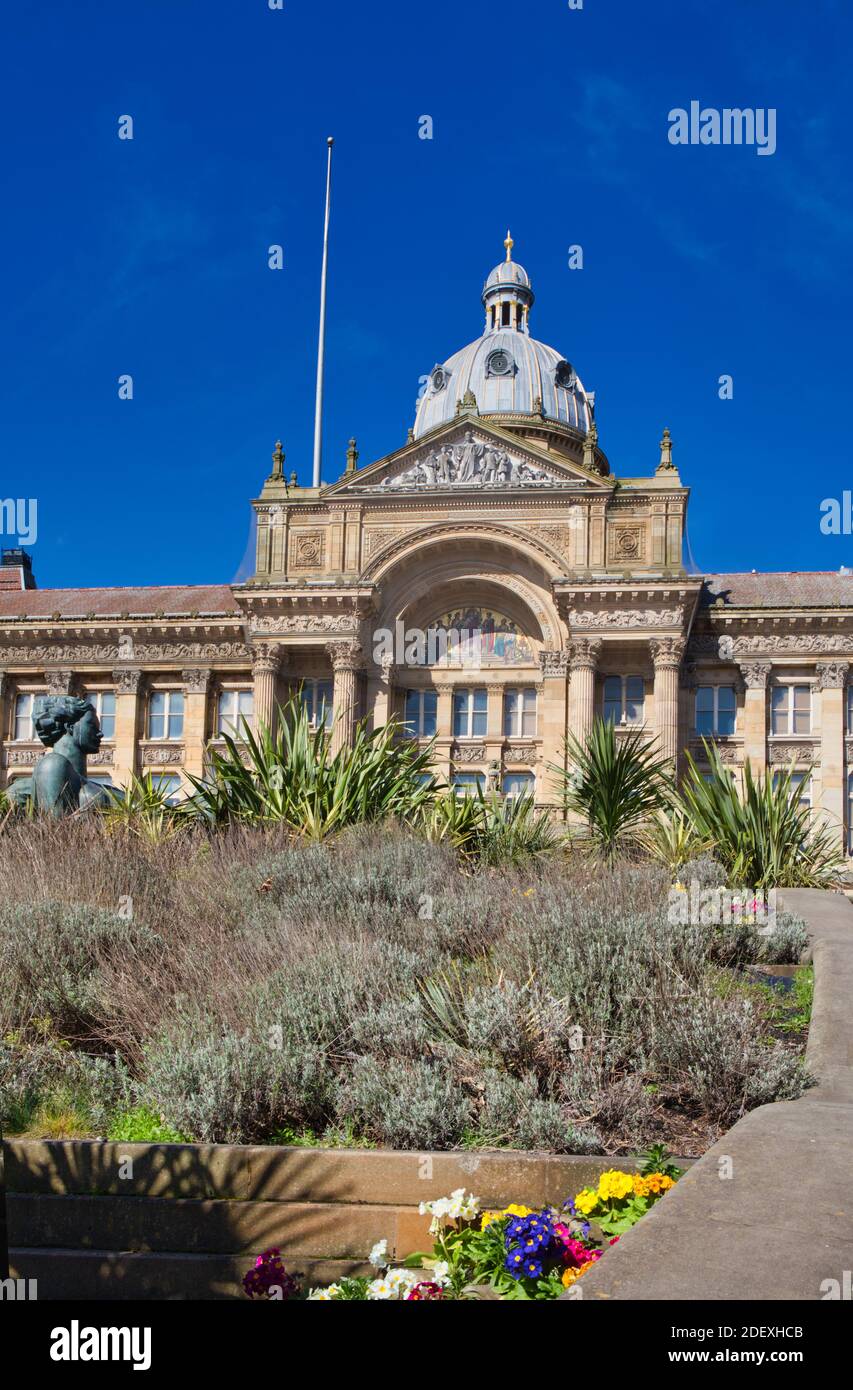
x,y
615,784
490,829
292,776
671,837
763,838
143,808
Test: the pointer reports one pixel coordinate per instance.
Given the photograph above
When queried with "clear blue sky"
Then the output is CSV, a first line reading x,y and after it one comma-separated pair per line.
x,y
150,257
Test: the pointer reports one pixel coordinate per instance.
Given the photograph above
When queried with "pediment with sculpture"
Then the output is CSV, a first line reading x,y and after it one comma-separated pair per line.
x,y
473,459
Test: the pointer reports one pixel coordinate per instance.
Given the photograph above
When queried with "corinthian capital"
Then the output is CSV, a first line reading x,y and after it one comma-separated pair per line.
x,y
667,651
832,675
755,673
585,652
554,663
267,657
346,656
127,680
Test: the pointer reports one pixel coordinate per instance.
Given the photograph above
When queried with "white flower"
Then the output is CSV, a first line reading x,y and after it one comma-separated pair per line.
x,y
441,1272
379,1253
380,1289
401,1280
321,1295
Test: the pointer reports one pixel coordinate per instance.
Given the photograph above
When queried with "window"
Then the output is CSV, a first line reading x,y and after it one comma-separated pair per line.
x,y
24,718
520,713
470,713
421,711
624,697
468,783
800,781
517,784
234,707
105,708
317,699
715,709
850,813
166,714
850,709
791,709
169,784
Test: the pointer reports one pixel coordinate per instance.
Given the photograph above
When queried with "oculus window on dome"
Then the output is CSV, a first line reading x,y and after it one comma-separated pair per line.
x,y
500,363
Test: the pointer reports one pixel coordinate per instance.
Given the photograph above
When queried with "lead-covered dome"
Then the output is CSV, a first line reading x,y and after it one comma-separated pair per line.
x,y
507,371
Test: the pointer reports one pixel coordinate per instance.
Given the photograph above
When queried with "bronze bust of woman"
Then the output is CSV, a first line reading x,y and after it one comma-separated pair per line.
x,y
70,729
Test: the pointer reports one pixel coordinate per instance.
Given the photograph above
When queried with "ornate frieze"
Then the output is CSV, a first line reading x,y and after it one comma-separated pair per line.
x,y
304,622
793,643
832,675
624,617
793,752
22,755
104,757
375,537
161,754
86,653
468,753
521,753
474,463
730,751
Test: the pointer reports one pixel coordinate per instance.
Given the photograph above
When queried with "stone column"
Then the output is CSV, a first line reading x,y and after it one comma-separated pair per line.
x,y
444,731
831,682
4,726
755,674
585,654
266,663
666,654
551,717
381,693
196,684
129,684
346,663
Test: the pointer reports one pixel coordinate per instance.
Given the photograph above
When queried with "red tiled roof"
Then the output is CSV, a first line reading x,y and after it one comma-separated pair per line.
x,y
791,589
173,600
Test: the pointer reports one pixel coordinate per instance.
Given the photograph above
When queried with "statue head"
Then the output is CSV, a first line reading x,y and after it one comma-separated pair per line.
x,y
57,715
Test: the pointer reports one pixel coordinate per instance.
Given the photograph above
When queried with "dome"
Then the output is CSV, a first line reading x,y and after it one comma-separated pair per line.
x,y
507,371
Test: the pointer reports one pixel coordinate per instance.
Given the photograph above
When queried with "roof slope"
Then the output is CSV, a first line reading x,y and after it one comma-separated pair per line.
x,y
170,601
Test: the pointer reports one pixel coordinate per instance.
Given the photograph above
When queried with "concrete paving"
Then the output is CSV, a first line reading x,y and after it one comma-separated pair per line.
x,y
767,1213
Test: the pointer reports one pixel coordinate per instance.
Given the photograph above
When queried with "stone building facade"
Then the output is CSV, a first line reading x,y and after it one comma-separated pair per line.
x,y
559,587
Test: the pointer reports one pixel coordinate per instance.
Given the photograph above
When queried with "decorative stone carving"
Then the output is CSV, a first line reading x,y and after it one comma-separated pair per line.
x,y
585,652
832,675
346,656
308,549
729,751
307,622
474,462
104,757
195,682
624,617
376,537
268,657
793,752
468,753
521,753
22,756
59,682
128,680
554,663
627,542
755,674
794,643
667,651
161,754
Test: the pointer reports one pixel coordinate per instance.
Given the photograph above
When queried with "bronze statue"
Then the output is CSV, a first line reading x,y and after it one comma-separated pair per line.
x,y
69,728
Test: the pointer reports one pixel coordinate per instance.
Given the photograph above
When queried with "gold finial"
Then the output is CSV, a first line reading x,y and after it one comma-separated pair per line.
x,y
509,243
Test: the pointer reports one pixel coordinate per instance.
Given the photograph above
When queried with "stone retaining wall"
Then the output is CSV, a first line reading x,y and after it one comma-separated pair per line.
x,y
98,1220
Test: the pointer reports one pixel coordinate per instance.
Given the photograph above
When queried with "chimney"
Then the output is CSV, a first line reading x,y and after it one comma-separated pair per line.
x,y
16,570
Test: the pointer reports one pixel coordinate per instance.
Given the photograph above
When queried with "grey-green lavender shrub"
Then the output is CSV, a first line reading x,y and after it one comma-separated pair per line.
x,y
52,956
232,1089
514,1114
404,1104
785,943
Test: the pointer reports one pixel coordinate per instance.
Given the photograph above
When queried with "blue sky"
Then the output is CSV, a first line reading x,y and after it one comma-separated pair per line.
x,y
150,257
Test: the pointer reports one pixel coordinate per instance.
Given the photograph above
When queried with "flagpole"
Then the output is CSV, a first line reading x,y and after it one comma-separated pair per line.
x,y
321,347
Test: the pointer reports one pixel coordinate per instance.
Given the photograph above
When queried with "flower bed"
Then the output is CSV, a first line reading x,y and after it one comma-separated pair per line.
x,y
516,1253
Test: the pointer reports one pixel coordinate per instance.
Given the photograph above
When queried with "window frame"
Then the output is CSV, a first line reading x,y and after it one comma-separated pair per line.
x,y
169,693
414,727
790,688
715,731
624,678
309,686
460,780
20,695
528,777
517,716
96,698
227,726
471,712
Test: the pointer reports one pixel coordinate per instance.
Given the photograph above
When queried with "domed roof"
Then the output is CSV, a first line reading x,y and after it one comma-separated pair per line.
x,y
508,372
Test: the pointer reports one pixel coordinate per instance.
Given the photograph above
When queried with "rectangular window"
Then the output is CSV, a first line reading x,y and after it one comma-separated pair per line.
x,y
800,781
235,707
716,707
470,713
171,785
421,712
520,713
316,696
467,783
517,784
105,708
166,714
24,730
624,699
791,709
850,709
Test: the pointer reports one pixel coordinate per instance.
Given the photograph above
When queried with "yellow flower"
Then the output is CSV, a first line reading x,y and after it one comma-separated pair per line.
x,y
615,1184
571,1276
642,1186
513,1210
528,892
586,1200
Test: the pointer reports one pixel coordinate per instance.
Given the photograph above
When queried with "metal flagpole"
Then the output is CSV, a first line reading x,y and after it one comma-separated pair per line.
x,y
321,348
